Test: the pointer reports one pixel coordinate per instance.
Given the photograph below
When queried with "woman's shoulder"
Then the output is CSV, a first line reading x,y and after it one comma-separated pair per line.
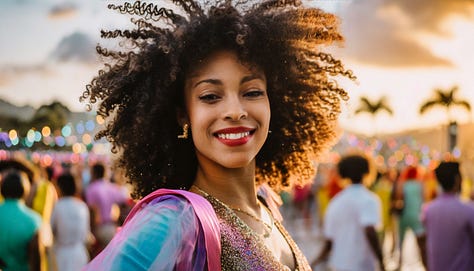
x,y
163,217
175,208
167,204
162,220
178,200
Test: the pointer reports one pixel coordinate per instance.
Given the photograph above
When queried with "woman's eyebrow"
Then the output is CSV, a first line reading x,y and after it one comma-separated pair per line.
x,y
252,77
219,82
210,81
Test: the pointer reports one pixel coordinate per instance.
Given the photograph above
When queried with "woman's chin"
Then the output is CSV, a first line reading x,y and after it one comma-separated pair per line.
x,y
236,164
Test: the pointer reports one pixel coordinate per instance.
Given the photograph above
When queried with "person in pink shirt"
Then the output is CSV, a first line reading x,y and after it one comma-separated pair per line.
x,y
449,224
101,197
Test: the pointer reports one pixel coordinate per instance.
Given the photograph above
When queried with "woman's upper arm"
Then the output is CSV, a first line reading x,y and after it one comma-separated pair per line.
x,y
159,233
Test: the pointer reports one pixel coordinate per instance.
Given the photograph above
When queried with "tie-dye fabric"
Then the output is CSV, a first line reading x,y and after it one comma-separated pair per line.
x,y
163,233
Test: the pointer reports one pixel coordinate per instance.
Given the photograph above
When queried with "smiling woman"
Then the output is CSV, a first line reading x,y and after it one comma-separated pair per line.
x,y
206,109
228,110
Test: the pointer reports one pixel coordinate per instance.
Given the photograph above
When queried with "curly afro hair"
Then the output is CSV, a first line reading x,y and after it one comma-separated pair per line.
x,y
140,90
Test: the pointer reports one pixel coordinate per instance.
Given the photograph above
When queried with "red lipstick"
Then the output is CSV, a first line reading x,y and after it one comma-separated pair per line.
x,y
234,136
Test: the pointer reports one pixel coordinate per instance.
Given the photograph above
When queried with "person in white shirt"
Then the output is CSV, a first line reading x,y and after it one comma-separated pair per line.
x,y
71,228
350,222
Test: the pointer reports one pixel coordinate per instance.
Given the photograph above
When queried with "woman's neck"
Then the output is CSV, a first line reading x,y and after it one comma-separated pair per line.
x,y
235,187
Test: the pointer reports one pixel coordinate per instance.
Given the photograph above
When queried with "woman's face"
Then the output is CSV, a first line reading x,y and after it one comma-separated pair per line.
x,y
228,110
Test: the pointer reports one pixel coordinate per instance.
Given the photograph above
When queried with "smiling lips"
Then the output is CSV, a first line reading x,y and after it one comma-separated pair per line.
x,y
234,136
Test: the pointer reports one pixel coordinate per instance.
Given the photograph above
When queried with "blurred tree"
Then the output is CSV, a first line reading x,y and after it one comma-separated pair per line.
x,y
54,115
447,99
373,108
8,123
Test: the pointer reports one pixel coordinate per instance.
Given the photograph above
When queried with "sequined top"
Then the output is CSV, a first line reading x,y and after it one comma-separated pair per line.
x,y
243,249
163,232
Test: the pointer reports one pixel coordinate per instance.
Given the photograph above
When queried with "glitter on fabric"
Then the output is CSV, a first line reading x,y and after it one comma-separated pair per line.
x,y
244,249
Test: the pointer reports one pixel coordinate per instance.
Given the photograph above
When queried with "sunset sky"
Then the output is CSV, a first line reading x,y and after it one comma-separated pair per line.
x,y
400,49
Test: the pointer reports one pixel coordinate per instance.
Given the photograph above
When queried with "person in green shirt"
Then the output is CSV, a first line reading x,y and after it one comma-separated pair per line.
x,y
19,226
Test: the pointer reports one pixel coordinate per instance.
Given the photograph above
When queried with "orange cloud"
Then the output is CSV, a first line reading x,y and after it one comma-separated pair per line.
x,y
377,37
62,11
429,14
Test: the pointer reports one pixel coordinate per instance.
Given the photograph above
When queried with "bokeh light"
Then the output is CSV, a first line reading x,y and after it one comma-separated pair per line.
x,y
27,143
78,148
66,131
30,135
90,125
46,131
15,141
60,141
99,119
12,134
80,128
86,139
37,136
36,158
47,160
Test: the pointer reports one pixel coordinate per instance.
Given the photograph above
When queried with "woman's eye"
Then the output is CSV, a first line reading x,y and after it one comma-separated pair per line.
x,y
209,98
254,93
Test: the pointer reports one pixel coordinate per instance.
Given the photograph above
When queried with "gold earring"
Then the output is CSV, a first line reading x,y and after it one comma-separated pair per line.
x,y
184,135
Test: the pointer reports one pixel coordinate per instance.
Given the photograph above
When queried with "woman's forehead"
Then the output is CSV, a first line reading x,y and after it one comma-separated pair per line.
x,y
216,59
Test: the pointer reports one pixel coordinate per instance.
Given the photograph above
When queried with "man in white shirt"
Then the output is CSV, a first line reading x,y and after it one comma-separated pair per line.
x,y
350,221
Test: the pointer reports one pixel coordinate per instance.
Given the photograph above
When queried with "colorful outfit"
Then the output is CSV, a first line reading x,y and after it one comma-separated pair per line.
x,y
348,213
383,189
70,224
180,230
103,195
18,225
45,196
449,234
410,217
44,199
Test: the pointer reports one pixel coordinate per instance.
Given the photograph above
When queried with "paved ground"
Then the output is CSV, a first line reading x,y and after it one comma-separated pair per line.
x,y
307,234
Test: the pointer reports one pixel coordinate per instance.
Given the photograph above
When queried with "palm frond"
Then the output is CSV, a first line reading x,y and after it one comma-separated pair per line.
x,y
388,109
361,110
446,99
464,104
373,107
428,105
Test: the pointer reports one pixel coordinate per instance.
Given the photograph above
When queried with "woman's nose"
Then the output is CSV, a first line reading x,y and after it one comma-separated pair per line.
x,y
235,109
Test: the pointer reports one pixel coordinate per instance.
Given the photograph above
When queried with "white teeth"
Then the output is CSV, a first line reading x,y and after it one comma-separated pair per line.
x,y
233,136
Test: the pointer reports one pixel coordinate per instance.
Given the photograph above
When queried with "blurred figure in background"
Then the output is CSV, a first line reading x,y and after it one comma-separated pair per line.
x,y
430,185
302,199
449,224
119,178
350,221
103,199
43,197
71,228
23,167
382,187
411,192
327,189
20,246
396,207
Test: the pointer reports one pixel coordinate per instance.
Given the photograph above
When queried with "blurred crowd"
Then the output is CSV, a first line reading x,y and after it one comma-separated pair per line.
x,y
58,217
433,204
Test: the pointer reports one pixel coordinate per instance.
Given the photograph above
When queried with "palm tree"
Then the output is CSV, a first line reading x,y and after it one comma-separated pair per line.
x,y
373,108
448,100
